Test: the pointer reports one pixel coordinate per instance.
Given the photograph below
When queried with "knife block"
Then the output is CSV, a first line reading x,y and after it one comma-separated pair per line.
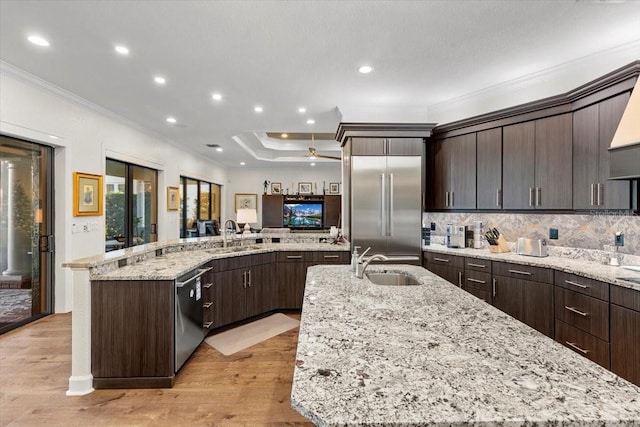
x,y
500,247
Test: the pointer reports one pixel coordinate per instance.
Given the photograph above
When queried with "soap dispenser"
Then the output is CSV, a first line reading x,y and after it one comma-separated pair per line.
x,y
354,258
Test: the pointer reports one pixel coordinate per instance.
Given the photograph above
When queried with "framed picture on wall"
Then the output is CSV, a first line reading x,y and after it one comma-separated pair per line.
x,y
304,188
246,201
87,194
173,198
276,188
334,188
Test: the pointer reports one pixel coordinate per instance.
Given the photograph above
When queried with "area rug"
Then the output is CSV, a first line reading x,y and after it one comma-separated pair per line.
x,y
245,336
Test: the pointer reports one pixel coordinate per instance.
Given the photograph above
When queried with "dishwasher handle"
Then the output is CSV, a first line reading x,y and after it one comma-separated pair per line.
x,y
201,271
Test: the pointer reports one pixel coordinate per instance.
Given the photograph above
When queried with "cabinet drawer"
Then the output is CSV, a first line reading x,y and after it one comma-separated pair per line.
x,y
480,294
453,275
477,280
583,312
582,343
451,261
477,265
625,297
331,257
526,272
583,285
299,256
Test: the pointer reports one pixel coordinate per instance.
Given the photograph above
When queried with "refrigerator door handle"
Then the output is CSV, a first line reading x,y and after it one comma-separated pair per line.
x,y
390,216
383,213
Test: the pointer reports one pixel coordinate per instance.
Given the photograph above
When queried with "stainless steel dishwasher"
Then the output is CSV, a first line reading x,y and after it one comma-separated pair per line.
x,y
188,330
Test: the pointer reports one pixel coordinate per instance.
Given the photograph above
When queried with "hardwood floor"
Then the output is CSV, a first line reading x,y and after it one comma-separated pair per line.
x,y
250,388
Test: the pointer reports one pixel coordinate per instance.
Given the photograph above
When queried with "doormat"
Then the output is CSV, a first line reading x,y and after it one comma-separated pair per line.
x,y
245,336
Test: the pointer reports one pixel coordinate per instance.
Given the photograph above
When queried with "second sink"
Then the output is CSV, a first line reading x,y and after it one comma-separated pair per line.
x,y
392,278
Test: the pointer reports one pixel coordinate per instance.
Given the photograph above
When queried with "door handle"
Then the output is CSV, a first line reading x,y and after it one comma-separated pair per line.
x,y
383,214
498,198
244,279
538,196
493,287
600,188
460,278
390,216
453,203
530,196
574,346
476,280
526,273
249,278
446,199
574,310
592,194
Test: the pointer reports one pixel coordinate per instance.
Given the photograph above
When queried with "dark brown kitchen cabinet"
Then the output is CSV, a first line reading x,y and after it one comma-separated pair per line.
x,y
386,146
272,211
291,275
489,169
625,333
593,130
454,172
449,267
537,169
332,210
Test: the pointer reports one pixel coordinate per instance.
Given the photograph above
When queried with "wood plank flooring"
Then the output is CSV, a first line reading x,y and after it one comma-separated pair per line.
x,y
251,388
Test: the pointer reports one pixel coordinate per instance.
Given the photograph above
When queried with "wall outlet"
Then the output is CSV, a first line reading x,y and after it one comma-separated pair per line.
x,y
553,233
433,226
619,239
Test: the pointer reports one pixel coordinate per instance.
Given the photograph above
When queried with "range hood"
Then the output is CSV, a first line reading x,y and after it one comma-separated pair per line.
x,y
624,153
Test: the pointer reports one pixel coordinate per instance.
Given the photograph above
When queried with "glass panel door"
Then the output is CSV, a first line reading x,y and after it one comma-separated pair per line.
x,y
26,232
115,205
145,205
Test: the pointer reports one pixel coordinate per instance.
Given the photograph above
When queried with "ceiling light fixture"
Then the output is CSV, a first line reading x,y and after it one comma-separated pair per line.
x,y
365,69
285,135
257,109
313,164
160,80
122,50
39,41
54,137
242,163
216,97
219,149
302,110
310,121
171,120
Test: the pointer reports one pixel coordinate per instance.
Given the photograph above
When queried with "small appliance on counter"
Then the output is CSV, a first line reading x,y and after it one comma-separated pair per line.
x,y
456,236
532,247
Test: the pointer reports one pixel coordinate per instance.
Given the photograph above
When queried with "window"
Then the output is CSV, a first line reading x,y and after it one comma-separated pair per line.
x,y
199,201
131,205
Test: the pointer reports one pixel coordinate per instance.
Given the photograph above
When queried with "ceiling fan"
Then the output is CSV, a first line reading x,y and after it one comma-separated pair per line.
x,y
313,154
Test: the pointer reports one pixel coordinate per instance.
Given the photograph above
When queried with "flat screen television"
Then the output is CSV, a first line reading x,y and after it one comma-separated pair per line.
x,y
303,215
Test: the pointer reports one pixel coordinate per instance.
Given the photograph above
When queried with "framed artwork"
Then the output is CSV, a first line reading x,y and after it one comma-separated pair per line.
x,y
87,194
304,188
334,188
173,198
276,188
246,201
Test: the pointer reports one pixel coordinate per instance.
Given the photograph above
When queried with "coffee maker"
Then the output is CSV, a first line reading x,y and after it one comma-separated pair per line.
x,y
456,236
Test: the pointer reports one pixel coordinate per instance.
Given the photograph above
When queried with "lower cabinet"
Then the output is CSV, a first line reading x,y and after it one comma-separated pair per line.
x,y
449,267
625,333
292,274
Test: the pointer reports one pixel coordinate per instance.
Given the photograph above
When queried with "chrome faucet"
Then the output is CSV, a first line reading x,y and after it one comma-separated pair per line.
x,y
224,231
362,266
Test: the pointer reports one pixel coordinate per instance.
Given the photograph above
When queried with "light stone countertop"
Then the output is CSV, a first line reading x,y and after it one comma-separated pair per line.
x,y
565,262
434,355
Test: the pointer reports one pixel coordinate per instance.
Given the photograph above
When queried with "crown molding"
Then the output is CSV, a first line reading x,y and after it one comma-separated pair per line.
x,y
383,130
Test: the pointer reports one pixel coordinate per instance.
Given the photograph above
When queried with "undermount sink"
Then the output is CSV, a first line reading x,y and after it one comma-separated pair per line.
x,y
392,278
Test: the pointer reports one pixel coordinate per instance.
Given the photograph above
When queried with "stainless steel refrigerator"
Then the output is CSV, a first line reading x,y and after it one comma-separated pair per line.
x,y
386,205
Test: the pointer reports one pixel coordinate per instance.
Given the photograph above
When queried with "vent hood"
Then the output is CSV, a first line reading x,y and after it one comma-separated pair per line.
x,y
624,153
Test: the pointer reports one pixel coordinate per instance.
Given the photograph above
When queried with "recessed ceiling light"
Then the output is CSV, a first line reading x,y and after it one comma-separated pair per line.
x,y
310,121
171,120
160,80
257,109
313,164
217,96
122,50
242,163
54,137
37,40
365,69
302,110
219,149
285,135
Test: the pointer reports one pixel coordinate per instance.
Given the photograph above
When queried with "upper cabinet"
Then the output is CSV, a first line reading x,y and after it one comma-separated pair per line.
x,y
593,130
537,170
489,169
454,173
386,146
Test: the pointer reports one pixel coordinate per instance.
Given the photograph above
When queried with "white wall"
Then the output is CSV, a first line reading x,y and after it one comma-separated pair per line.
x,y
241,180
33,110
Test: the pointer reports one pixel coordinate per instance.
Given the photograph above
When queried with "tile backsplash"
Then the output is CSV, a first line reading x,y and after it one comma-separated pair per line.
x,y
584,231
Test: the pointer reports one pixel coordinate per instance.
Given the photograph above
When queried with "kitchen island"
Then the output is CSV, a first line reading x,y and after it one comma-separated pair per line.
x,y
434,355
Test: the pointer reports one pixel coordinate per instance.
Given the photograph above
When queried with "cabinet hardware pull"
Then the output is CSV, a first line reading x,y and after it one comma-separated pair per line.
x,y
208,325
294,256
446,199
476,280
498,197
244,279
493,287
330,256
573,310
576,284
530,196
453,203
600,188
460,278
207,304
207,285
477,265
526,273
201,271
441,259
572,345
538,196
249,281
593,187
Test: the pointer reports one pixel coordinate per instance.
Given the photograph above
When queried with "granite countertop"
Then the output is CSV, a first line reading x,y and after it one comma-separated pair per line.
x,y
436,355
171,265
581,267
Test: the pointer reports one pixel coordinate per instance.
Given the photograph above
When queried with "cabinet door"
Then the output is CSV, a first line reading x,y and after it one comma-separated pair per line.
x,y
613,194
453,275
291,281
272,211
553,162
462,163
440,185
404,146
507,296
368,146
262,290
489,169
585,157
332,210
537,306
230,299
518,154
625,343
